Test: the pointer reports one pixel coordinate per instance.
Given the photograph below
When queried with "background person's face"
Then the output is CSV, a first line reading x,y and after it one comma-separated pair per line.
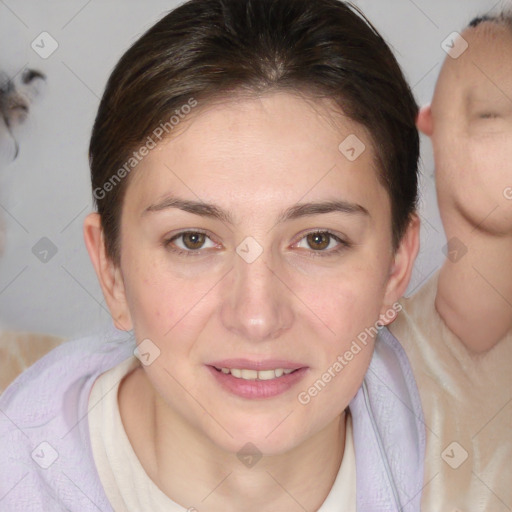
x,y
472,129
255,159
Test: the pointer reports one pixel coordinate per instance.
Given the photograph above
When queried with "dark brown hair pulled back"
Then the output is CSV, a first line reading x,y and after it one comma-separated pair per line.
x,y
207,49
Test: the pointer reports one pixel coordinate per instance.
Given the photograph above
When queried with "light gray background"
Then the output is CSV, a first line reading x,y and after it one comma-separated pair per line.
x,y
46,191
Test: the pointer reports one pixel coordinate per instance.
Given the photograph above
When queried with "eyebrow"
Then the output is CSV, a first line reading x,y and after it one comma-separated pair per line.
x,y
295,212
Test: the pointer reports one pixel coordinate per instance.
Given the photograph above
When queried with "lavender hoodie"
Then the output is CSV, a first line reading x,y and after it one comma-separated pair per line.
x,y
46,461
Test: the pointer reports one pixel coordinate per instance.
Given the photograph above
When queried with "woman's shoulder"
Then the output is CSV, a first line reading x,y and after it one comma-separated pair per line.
x,y
36,392
45,450
389,430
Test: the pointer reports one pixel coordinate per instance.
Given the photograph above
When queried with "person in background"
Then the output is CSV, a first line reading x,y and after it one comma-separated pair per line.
x,y
457,329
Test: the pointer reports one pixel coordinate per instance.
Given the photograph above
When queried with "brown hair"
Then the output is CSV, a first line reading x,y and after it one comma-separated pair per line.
x,y
504,17
207,49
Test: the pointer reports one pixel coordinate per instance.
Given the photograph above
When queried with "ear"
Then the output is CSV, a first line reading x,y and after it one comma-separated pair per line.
x,y
401,270
424,121
109,275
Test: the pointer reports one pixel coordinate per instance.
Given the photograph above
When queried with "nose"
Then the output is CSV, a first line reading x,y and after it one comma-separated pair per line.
x,y
257,304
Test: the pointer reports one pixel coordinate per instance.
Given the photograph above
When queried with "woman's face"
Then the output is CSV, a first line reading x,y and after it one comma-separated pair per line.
x,y
224,265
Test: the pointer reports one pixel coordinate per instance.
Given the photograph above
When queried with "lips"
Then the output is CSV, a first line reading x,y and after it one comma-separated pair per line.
x,y
257,379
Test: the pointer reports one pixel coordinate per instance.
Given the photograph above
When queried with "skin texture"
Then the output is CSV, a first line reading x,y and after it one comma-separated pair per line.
x,y
254,158
470,125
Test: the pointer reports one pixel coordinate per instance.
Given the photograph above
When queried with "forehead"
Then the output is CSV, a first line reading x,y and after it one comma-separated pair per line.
x,y
271,150
280,134
484,68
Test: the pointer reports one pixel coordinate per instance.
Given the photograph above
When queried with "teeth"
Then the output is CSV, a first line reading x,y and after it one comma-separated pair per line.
x,y
267,374
254,374
249,374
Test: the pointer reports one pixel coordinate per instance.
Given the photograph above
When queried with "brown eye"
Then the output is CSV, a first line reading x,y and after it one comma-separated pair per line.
x,y
193,240
323,243
318,241
189,243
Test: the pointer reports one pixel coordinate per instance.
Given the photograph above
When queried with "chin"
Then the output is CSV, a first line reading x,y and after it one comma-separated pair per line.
x,y
268,435
259,444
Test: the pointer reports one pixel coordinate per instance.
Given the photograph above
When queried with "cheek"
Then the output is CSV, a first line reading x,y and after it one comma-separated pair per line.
x,y
345,361
348,301
466,163
165,305
489,161
154,298
350,306
473,174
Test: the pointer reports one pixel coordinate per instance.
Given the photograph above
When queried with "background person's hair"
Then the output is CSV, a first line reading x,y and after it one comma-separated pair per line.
x,y
504,17
214,49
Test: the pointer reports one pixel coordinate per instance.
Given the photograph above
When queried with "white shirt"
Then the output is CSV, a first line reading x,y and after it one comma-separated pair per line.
x,y
129,488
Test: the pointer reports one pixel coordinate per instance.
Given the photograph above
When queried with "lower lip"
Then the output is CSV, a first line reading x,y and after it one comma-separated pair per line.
x,y
257,388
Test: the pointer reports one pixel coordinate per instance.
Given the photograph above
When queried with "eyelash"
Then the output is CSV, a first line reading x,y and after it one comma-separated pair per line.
x,y
342,245
488,115
167,243
312,253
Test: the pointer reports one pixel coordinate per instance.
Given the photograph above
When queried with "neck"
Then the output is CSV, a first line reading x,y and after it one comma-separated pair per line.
x,y
474,295
194,472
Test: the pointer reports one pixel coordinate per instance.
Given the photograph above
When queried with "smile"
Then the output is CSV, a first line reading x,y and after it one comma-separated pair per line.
x,y
251,383
255,374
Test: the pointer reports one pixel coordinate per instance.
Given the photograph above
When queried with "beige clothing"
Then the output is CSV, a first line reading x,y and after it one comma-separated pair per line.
x,y
19,350
128,487
467,403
